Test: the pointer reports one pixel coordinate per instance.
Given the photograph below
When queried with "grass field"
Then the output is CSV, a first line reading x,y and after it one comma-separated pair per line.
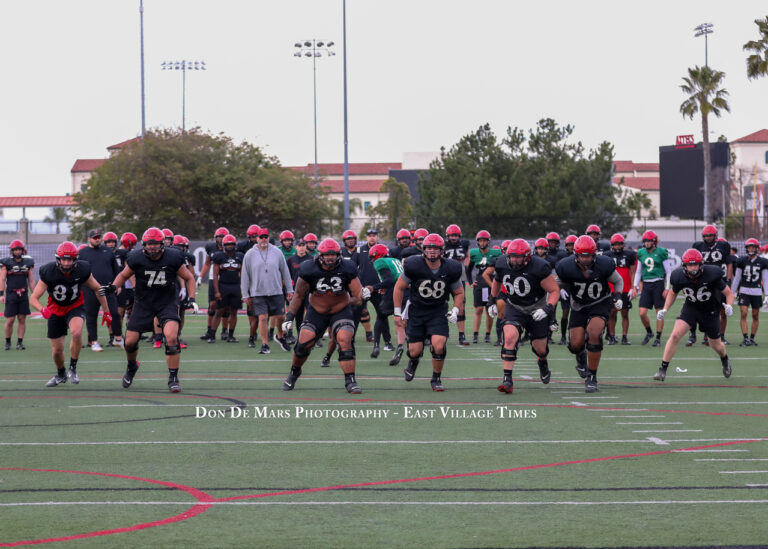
x,y
682,463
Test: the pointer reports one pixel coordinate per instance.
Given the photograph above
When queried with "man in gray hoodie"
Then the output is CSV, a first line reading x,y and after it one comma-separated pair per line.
x,y
264,274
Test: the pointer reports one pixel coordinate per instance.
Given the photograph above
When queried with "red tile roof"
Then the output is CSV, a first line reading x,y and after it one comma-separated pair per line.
x,y
629,166
86,164
355,186
372,168
760,136
641,183
123,144
35,201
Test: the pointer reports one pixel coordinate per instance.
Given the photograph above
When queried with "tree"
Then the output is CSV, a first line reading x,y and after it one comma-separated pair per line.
x,y
57,216
522,185
193,183
336,225
705,96
396,211
757,63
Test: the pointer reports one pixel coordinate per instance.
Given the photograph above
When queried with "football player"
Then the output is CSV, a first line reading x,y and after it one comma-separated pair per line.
x,y
531,293
418,238
585,277
311,240
110,240
155,268
210,249
651,282
626,264
17,276
705,294
63,279
167,238
431,278
715,251
125,296
594,232
182,243
553,241
332,286
294,263
749,283
389,270
565,303
226,285
403,241
457,248
481,258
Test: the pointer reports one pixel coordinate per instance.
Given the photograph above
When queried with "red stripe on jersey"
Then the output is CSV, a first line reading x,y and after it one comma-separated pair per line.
x,y
60,310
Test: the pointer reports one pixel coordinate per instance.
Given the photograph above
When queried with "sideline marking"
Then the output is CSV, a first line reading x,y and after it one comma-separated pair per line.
x,y
658,441
741,472
731,459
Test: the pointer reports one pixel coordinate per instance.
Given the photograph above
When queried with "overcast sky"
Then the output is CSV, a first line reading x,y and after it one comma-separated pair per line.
x,y
421,73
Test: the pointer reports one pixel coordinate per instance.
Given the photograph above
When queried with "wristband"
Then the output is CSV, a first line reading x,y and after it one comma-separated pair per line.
x,y
2,292
289,316
398,311
495,297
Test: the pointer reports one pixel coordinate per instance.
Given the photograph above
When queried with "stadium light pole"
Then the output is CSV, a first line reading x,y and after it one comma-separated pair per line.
x,y
143,105
314,48
703,30
183,66
346,139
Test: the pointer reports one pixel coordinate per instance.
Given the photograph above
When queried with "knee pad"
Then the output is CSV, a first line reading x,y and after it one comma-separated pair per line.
x,y
131,348
171,350
225,313
366,316
349,354
436,355
343,324
508,355
302,350
461,318
595,347
546,351
211,310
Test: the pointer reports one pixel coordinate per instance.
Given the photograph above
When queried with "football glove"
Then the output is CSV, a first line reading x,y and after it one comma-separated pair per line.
x,y
493,310
728,309
106,318
365,294
544,312
46,312
107,289
563,295
617,302
660,314
453,316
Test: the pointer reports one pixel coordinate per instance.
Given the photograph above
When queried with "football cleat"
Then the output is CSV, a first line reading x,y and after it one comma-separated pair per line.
x,y
182,344
212,339
409,371
173,384
20,347
705,341
375,352
251,343
224,335
581,364
661,375
157,344
128,376
507,386
56,380
368,338
656,342
474,340
290,339
727,370
610,340
388,346
353,387
647,338
625,341
691,340
753,342
544,373
206,335
463,341
498,343
326,362
562,341
72,376
437,385
398,354
264,349
289,383
232,339
96,347
7,346
487,338
590,384
725,341
745,343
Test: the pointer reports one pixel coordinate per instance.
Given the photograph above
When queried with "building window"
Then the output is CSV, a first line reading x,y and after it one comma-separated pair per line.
x,y
766,157
367,203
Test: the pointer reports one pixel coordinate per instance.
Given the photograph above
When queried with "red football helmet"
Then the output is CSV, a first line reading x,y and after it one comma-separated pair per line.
x,y
752,242
310,237
571,239
483,234
229,240
709,231
518,253
420,233
721,239
167,233
378,251
650,236
17,245
178,240
692,257
617,241
540,243
286,235
329,253
404,233
348,234
553,236
253,230
152,241
585,247
452,230
504,246
433,246
593,229
66,250
109,237
186,241
221,231
128,240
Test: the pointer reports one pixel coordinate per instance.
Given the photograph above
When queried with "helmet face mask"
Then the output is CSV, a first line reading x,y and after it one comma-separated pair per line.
x,y
433,252
433,247
153,243
709,234
692,270
617,246
330,259
229,242
19,254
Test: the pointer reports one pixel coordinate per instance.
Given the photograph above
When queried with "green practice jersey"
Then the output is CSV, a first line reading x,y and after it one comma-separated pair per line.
x,y
390,264
651,264
481,261
287,252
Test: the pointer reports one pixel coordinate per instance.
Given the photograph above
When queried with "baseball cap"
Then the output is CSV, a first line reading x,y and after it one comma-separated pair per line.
x,y
263,232
371,231
93,233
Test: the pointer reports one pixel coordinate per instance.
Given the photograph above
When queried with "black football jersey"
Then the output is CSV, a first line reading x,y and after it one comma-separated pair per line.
x,y
428,288
458,251
624,258
702,292
719,254
189,259
522,286
120,255
17,272
64,289
589,286
229,266
409,251
602,248
752,268
156,280
294,263
396,251
322,281
211,248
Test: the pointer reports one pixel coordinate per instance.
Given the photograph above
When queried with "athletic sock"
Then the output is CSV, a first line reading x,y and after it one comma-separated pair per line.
x,y
658,335
664,365
61,372
349,378
724,360
507,375
435,376
73,363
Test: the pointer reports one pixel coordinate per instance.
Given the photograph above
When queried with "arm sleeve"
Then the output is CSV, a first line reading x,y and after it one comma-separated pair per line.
x,y
468,271
387,280
638,274
617,281
737,280
669,266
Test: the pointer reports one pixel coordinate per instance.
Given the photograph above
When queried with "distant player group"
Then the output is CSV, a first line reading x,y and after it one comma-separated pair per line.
x,y
325,287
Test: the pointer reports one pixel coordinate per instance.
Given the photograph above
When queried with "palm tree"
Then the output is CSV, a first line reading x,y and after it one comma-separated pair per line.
x,y
58,216
757,63
706,97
